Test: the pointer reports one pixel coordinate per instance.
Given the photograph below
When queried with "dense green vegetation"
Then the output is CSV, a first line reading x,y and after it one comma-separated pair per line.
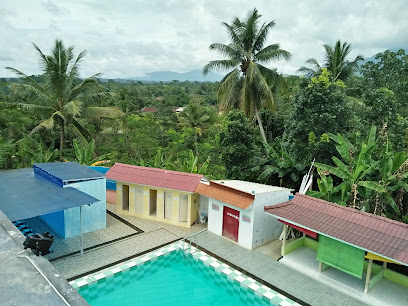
x,y
351,119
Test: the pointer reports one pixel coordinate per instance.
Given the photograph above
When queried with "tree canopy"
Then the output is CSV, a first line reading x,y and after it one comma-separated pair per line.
x,y
249,85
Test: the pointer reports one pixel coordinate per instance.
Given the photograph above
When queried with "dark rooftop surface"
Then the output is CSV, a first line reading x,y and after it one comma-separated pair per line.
x,y
379,235
69,171
25,195
20,281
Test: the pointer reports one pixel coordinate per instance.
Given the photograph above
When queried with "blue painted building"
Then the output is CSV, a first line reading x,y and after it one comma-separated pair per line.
x,y
67,222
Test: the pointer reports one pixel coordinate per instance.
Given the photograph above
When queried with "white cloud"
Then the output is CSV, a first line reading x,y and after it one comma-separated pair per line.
x,y
130,38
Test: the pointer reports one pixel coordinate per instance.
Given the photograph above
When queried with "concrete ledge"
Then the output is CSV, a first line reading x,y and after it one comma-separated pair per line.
x,y
20,282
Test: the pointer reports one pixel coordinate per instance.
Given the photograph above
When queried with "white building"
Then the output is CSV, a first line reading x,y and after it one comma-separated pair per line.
x,y
235,210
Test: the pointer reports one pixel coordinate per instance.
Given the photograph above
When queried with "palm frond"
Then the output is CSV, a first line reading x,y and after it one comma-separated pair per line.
x,y
228,92
79,130
273,55
311,71
262,35
101,112
73,108
47,124
220,65
273,78
232,31
227,50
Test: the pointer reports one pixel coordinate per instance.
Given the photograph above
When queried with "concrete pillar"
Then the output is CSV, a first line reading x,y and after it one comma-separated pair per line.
x,y
285,229
367,282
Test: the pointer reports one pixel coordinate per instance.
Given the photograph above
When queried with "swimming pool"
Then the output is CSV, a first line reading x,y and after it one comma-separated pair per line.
x,y
166,277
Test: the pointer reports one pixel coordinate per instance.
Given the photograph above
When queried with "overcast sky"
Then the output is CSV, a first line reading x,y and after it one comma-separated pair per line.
x,y
128,38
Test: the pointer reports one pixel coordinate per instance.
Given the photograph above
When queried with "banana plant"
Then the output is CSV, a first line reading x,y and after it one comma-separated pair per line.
x,y
190,164
38,153
185,164
354,170
393,174
160,160
282,164
85,153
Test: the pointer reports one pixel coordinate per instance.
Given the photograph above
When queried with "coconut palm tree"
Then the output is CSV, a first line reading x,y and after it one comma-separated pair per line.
x,y
335,61
197,117
62,97
250,84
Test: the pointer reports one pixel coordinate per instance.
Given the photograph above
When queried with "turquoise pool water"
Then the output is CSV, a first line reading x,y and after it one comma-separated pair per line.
x,y
169,280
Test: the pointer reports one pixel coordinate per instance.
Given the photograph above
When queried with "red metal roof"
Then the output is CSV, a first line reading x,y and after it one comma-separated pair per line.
x,y
148,109
226,194
379,235
154,177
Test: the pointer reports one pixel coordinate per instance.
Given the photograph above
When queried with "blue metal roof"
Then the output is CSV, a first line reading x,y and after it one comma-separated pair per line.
x,y
67,172
25,195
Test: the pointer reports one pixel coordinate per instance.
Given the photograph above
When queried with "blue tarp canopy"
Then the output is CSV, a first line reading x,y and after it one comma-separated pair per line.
x,y
67,172
25,195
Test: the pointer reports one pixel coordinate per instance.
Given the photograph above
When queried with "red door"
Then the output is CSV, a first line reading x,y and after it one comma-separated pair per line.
x,y
230,223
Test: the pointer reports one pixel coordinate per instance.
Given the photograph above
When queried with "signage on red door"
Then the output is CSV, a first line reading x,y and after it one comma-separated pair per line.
x,y
234,216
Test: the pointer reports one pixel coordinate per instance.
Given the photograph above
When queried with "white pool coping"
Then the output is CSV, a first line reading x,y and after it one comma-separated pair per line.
x,y
265,293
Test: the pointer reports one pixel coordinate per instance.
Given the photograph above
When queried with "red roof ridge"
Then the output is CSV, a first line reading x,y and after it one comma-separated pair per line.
x,y
160,170
346,208
283,204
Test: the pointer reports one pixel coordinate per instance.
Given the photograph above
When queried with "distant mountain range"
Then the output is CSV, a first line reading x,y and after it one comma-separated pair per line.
x,y
168,76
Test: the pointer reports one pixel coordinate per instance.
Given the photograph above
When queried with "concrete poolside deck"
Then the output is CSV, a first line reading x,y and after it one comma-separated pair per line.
x,y
127,236
384,292
111,245
20,281
305,288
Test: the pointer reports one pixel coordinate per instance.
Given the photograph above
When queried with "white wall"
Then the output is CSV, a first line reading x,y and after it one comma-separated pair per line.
x,y
204,204
214,216
215,220
245,231
266,227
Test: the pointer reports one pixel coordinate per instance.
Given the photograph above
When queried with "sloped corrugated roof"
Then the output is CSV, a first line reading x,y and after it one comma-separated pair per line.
x,y
379,235
226,194
68,171
154,177
25,195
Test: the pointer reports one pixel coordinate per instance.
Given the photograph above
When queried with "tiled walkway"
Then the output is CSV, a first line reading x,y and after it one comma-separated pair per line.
x,y
154,235
294,283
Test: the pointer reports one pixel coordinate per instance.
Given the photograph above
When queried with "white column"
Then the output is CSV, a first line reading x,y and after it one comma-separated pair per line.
x,y
82,235
367,282
285,227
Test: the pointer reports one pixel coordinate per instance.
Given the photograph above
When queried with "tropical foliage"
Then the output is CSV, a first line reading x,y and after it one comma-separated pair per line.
x,y
369,176
279,162
85,154
61,96
335,61
354,125
250,84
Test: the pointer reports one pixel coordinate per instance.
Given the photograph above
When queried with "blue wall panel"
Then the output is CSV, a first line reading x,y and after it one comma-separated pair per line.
x,y
56,221
94,215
